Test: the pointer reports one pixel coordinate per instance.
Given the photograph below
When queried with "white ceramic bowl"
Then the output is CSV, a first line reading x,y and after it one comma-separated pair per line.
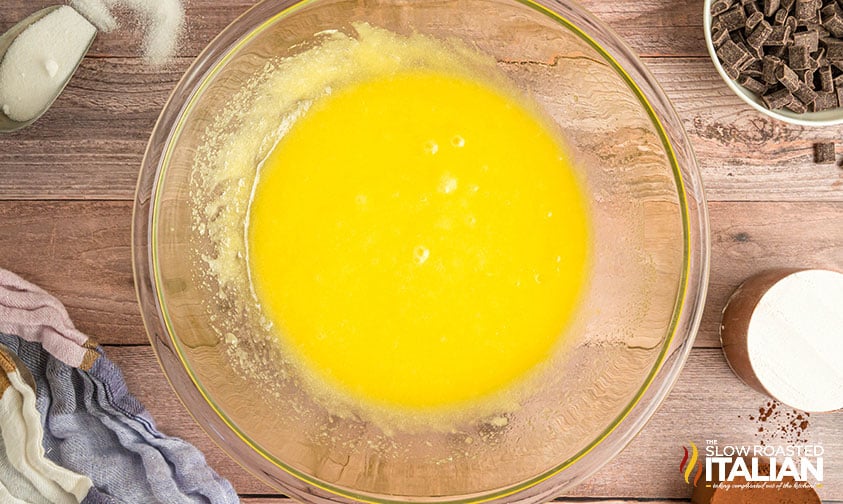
x,y
825,118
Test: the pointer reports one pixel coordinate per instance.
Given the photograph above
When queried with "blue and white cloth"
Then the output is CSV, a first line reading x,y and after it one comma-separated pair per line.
x,y
78,436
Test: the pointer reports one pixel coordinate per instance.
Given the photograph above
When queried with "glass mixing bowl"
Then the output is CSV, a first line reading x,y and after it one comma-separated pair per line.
x,y
626,346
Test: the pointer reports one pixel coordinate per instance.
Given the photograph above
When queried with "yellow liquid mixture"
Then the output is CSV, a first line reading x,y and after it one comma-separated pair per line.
x,y
418,240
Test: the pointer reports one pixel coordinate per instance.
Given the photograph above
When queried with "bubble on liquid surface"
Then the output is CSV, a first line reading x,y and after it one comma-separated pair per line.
x,y
361,199
458,141
431,147
421,254
448,184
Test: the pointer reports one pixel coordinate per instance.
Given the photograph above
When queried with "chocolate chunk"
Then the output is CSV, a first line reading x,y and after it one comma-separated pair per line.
x,y
832,19
808,39
731,54
732,71
759,35
733,19
719,36
805,10
834,52
824,153
779,52
768,69
826,82
805,94
779,36
787,77
779,17
788,5
797,57
821,59
838,82
753,85
791,23
720,6
797,107
777,99
825,101
770,7
752,21
839,92
806,76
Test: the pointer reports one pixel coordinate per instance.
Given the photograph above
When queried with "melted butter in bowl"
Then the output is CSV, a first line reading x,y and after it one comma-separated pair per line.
x,y
419,240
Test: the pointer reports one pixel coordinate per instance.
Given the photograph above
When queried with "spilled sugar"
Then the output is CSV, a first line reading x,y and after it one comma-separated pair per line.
x,y
162,22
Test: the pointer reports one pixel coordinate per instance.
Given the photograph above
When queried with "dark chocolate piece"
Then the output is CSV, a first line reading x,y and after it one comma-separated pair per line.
x,y
779,52
780,17
805,10
720,6
825,101
752,21
779,36
770,7
791,23
731,54
839,92
826,81
751,8
759,35
832,19
732,71
808,39
797,57
787,77
733,19
719,36
834,52
753,85
777,99
788,5
824,153
806,76
768,69
805,94
797,107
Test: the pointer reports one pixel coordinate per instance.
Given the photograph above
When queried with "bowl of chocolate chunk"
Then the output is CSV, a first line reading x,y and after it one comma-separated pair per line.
x,y
782,57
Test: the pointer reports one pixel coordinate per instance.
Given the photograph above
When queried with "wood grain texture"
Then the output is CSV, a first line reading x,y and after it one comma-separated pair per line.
x,y
80,251
91,143
650,27
708,402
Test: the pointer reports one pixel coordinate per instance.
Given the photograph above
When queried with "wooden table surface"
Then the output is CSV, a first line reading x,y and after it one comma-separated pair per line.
x,y
67,182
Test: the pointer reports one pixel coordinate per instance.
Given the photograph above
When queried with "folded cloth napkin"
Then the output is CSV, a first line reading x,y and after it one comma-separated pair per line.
x,y
78,435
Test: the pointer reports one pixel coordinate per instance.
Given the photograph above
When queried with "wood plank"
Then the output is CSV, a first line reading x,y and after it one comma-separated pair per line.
x,y
80,251
708,402
650,27
91,143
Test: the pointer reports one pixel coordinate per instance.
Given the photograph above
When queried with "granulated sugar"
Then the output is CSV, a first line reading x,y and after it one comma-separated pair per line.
x,y
162,22
40,60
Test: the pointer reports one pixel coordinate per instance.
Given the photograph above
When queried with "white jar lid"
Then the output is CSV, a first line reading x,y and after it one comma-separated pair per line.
x,y
782,333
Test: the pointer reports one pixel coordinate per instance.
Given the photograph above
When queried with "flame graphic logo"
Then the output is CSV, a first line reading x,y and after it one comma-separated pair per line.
x,y
689,461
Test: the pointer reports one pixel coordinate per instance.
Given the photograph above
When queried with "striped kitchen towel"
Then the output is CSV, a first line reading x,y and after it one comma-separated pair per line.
x,y
70,431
